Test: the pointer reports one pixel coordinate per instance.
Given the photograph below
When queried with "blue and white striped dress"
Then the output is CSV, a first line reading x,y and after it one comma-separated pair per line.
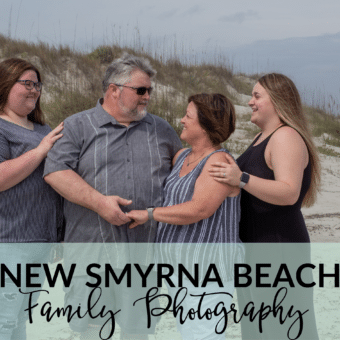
x,y
212,240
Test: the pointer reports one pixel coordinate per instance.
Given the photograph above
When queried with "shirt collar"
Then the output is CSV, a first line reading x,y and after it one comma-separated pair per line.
x,y
104,118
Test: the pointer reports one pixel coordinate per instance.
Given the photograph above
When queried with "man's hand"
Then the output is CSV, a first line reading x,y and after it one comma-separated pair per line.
x,y
138,217
109,210
71,186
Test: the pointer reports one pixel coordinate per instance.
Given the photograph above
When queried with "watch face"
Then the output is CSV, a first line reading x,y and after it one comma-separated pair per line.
x,y
245,178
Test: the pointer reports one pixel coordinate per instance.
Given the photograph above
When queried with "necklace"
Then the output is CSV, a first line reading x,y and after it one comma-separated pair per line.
x,y
188,163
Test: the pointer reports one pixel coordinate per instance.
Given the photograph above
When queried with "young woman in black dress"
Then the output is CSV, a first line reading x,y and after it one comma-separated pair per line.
x,y
279,173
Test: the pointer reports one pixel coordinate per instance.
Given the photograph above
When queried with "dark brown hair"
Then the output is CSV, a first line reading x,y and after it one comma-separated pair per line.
x,y
10,71
287,103
216,115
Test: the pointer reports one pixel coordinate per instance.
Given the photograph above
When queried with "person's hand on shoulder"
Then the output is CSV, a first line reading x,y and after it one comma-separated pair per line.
x,y
227,172
48,141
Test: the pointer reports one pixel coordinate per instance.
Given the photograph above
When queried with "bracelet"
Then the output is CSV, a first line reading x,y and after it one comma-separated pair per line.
x,y
244,179
150,213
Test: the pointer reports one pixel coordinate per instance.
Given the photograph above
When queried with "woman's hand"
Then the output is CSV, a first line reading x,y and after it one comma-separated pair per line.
x,y
13,171
228,172
47,142
138,217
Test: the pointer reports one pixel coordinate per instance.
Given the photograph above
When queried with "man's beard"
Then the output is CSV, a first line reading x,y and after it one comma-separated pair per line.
x,y
138,115
134,114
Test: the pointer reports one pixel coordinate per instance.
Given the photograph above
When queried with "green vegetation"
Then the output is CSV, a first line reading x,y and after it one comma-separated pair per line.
x,y
332,141
244,118
242,86
45,57
323,122
66,103
72,83
328,151
252,130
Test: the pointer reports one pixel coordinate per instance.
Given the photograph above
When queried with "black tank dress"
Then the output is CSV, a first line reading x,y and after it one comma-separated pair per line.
x,y
277,229
265,222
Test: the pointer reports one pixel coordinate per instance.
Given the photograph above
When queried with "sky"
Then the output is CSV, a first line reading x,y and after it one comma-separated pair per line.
x,y
196,23
186,27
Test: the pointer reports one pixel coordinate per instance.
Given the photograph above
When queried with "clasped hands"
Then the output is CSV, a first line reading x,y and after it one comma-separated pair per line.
x,y
109,209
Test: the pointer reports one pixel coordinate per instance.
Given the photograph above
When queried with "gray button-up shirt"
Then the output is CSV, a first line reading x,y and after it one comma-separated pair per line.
x,y
131,162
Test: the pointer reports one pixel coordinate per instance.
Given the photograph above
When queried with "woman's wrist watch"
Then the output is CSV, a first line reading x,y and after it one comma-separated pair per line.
x,y
150,213
244,179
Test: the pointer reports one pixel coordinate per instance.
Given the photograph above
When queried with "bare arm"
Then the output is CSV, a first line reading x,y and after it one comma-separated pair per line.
x,y
287,156
71,186
208,196
13,171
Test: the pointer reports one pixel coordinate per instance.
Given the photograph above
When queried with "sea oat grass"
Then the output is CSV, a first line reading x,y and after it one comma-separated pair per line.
x,y
66,103
328,151
73,82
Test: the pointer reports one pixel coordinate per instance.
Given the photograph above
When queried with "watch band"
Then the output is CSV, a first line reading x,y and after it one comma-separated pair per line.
x,y
150,213
244,179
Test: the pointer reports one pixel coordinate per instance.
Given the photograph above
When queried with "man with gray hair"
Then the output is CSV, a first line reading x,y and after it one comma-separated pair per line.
x,y
111,159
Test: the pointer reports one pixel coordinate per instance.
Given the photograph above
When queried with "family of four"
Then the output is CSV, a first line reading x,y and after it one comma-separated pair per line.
x,y
116,174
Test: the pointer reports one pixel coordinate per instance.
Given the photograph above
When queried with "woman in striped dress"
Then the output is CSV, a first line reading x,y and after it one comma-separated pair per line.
x,y
198,222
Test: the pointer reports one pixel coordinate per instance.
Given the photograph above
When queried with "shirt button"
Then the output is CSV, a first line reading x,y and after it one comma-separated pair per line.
x,y
129,177
128,160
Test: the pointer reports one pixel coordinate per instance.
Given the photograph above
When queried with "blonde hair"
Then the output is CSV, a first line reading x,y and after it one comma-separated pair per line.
x,y
287,103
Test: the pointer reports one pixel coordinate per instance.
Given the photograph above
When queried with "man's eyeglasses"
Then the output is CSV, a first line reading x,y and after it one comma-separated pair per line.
x,y
139,90
29,84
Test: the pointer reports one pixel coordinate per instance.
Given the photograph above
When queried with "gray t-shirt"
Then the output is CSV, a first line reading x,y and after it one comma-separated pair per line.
x,y
31,211
131,162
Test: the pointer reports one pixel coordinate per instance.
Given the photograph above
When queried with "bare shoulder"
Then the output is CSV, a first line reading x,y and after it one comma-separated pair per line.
x,y
287,136
177,154
286,143
217,157
220,157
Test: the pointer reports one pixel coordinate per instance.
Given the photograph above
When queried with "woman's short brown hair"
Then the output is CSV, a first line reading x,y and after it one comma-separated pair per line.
x,y
11,70
216,115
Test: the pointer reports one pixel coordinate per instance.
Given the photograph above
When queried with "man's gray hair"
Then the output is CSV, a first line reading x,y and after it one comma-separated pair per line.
x,y
120,69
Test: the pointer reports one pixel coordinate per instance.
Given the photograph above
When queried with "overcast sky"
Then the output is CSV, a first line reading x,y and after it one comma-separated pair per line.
x,y
198,28
195,23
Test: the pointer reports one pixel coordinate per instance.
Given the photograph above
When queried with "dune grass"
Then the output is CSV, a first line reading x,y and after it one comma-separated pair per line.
x,y
72,80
